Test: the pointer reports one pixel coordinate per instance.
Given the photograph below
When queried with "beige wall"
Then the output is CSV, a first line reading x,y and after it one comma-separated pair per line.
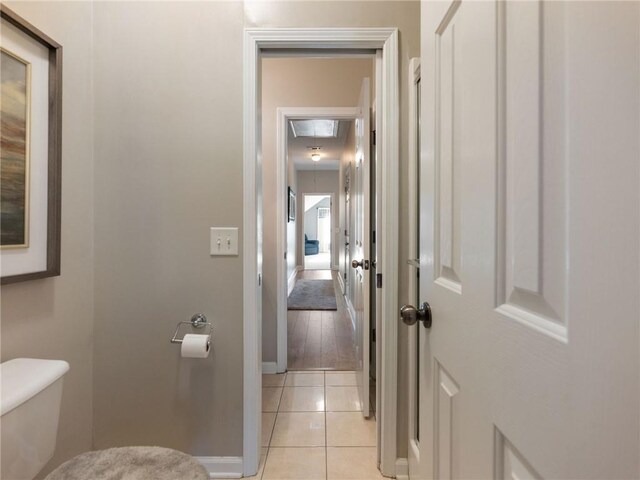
x,y
53,318
295,82
166,164
168,149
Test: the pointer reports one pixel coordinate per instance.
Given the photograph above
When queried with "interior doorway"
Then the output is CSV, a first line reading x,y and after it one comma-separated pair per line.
x,y
301,42
318,229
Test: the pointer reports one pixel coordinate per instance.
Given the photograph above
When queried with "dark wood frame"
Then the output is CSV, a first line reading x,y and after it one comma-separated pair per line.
x,y
291,196
54,191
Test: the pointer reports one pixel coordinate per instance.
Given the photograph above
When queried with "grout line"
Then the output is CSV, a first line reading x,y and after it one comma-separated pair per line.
x,y
326,450
273,429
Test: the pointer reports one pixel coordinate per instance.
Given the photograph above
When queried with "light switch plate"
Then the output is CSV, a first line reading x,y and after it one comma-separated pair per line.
x,y
224,241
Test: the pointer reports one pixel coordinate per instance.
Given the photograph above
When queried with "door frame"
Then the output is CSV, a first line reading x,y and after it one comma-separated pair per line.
x,y
255,41
414,252
284,115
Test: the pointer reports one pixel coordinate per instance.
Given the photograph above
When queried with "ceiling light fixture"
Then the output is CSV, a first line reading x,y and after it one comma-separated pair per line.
x,y
315,157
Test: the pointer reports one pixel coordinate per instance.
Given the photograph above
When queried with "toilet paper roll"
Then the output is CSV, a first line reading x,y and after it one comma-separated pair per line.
x,y
195,346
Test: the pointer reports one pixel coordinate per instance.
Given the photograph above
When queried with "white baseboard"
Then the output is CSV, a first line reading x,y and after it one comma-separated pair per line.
x,y
222,467
292,280
269,367
402,469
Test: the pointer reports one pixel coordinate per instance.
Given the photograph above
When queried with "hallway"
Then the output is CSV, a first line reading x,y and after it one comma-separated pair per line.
x,y
312,428
321,340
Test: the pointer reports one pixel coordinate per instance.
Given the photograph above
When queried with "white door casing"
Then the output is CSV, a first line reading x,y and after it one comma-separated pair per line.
x,y
529,240
301,40
413,352
360,246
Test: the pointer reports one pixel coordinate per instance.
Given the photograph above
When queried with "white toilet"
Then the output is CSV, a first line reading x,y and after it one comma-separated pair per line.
x,y
31,392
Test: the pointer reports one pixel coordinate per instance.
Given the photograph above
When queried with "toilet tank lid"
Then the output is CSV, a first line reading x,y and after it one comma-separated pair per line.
x,y
22,378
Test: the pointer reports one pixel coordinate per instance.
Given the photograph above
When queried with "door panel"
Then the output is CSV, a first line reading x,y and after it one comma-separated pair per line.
x,y
529,239
360,245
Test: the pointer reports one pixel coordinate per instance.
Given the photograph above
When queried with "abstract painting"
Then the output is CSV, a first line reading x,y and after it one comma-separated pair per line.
x,y
14,150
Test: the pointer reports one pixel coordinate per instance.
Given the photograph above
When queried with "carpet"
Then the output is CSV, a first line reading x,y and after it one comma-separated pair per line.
x,y
313,295
131,463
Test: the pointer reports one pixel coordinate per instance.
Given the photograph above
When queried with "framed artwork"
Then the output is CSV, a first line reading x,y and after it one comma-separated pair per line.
x,y
30,157
292,206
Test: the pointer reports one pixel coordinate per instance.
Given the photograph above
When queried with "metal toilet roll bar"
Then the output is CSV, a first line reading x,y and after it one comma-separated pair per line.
x,y
197,321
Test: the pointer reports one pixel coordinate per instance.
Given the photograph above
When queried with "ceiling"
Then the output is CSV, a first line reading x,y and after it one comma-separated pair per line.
x,y
331,149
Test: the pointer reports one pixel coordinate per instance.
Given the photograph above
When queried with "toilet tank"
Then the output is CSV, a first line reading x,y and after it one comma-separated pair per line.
x,y
31,391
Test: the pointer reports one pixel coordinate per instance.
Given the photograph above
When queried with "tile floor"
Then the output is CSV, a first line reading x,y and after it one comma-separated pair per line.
x,y
312,428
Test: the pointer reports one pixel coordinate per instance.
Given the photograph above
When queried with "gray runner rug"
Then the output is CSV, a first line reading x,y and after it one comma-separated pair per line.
x,y
313,295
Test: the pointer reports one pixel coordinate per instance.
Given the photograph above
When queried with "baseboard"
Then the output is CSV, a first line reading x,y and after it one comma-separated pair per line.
x,y
269,367
222,467
292,280
402,469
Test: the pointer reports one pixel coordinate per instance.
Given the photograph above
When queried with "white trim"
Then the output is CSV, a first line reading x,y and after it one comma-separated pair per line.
x,y
414,253
292,280
269,367
222,467
324,38
402,469
252,263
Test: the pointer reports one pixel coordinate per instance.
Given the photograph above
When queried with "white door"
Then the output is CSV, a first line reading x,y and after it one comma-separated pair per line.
x,y
360,245
529,250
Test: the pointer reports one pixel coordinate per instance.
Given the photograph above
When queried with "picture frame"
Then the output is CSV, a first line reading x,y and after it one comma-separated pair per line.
x,y
291,205
30,207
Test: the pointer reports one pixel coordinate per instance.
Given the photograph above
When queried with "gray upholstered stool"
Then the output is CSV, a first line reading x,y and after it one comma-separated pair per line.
x,y
131,463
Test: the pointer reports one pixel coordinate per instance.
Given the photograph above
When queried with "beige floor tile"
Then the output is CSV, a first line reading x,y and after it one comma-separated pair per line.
x,y
302,399
275,380
305,379
299,429
341,379
349,429
343,399
352,463
271,398
268,421
295,464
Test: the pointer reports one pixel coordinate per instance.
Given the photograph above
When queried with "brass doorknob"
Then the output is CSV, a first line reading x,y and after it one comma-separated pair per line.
x,y
356,263
411,315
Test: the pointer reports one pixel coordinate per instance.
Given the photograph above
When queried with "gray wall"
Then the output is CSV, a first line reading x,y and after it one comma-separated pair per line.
x,y
292,181
148,167
168,149
53,318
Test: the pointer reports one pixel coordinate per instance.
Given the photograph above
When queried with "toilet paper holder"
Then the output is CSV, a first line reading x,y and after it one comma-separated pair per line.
x,y
197,321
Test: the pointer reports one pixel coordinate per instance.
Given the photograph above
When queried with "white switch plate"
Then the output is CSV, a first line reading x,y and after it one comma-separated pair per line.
x,y
224,241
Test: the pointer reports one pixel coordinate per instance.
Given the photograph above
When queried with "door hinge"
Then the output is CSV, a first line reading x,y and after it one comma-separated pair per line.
x,y
378,280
